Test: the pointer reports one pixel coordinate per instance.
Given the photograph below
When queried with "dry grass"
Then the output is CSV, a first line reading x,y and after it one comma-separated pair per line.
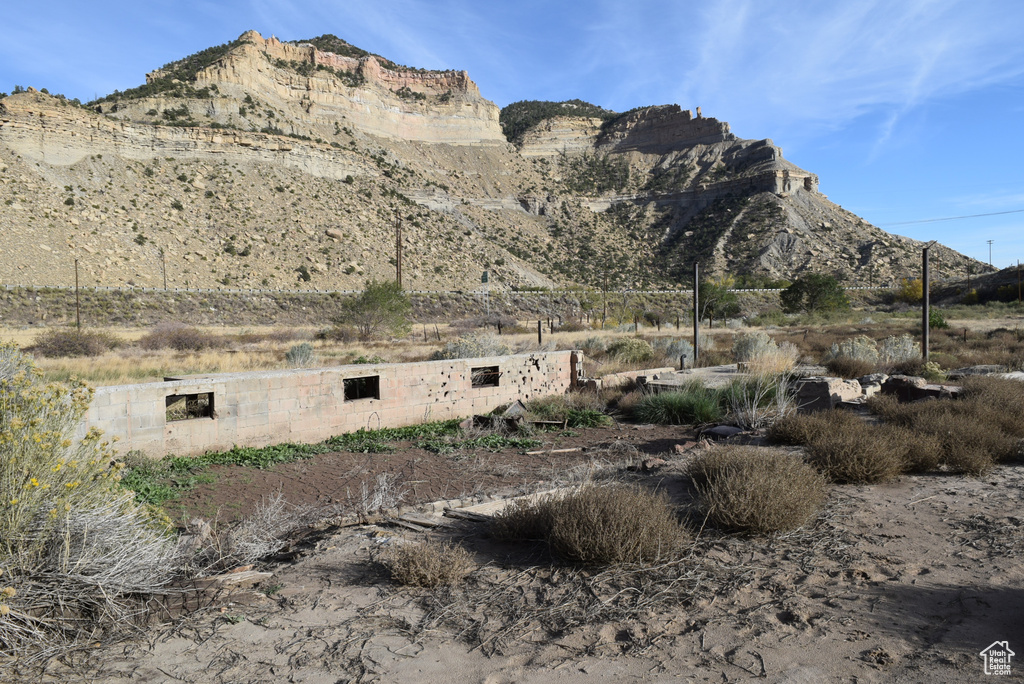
x,y
775,361
426,564
758,490
71,342
800,429
596,524
973,433
841,445
849,368
856,454
759,400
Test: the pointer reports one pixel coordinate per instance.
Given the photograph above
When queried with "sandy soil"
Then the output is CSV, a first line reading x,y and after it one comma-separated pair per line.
x,y
905,582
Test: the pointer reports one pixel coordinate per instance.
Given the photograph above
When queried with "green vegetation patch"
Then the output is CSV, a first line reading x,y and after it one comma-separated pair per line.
x,y
157,481
519,117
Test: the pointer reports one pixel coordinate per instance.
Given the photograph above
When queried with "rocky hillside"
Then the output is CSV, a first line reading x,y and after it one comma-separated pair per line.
x,y
268,164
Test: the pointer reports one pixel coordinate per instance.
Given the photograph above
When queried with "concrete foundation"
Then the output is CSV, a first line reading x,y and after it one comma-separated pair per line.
x,y
191,416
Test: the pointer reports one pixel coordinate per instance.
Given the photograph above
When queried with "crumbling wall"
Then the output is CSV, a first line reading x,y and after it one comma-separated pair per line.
x,y
193,415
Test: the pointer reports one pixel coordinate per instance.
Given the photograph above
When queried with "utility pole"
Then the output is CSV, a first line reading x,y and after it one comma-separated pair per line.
x,y
78,309
989,251
696,313
398,249
925,303
1018,281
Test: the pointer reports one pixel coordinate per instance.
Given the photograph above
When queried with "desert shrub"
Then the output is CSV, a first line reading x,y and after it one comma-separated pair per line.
x,y
597,524
65,342
894,350
673,348
631,350
473,345
913,367
753,345
179,337
759,400
936,320
799,429
572,326
1000,400
973,433
967,445
758,490
593,346
889,409
300,355
921,453
626,402
694,403
911,291
74,546
426,564
776,360
856,453
849,368
861,347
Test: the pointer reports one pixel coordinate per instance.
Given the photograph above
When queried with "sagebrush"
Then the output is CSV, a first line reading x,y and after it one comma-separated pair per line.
x,y
596,524
758,490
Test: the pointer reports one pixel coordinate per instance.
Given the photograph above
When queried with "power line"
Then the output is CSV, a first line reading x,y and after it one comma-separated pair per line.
x,y
954,218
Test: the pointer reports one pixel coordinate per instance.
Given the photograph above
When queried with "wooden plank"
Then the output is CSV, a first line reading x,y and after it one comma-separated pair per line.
x,y
422,520
461,514
554,451
398,522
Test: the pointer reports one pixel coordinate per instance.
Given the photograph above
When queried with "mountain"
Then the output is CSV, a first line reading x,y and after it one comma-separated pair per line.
x,y
270,164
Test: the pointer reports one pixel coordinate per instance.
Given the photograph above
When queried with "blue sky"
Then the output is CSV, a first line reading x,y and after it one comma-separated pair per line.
x,y
906,110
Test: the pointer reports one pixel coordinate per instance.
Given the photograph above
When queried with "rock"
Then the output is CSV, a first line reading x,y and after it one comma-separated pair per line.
x,y
720,432
903,387
334,234
650,464
822,394
910,388
872,384
989,369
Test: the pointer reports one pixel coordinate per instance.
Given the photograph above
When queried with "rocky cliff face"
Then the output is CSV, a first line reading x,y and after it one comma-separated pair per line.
x,y
305,91
284,165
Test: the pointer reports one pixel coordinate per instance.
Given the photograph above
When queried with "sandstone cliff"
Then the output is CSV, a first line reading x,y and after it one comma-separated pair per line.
x,y
266,164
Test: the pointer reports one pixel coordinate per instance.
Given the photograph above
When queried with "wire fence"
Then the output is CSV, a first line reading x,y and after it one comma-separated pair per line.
x,y
508,291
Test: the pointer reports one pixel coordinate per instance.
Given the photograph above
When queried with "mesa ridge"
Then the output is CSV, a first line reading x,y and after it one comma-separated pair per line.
x,y
273,164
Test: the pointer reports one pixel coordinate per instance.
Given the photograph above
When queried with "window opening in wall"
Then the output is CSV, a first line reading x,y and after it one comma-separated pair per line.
x,y
189,406
485,376
362,388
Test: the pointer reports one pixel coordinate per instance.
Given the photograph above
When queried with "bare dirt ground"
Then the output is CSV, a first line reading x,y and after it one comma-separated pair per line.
x,y
905,582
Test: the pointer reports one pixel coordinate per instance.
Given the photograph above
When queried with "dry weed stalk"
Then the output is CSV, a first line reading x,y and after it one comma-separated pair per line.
x,y
386,494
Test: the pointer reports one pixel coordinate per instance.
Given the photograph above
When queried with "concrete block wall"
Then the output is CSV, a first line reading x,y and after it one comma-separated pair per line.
x,y
271,407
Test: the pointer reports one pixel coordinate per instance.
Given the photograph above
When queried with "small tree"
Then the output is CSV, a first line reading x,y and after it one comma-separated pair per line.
x,y
814,292
382,307
911,291
717,300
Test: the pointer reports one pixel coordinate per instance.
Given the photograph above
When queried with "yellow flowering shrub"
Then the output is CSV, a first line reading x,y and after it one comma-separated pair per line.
x,y
44,473
76,550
